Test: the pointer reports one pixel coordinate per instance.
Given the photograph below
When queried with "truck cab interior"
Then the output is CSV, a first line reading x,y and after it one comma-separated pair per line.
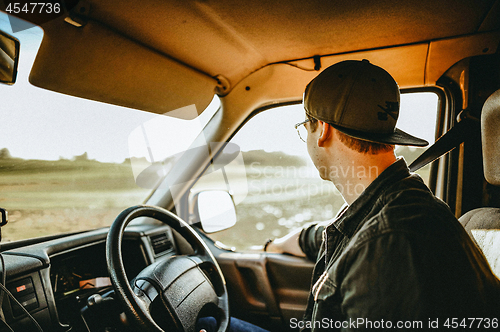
x,y
148,149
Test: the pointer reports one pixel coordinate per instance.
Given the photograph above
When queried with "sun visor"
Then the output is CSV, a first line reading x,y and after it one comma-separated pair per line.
x,y
94,62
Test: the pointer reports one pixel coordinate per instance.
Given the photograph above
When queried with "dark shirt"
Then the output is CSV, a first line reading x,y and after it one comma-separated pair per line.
x,y
396,254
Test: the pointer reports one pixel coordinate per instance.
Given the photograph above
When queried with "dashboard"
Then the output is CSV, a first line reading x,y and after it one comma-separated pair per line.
x,y
53,280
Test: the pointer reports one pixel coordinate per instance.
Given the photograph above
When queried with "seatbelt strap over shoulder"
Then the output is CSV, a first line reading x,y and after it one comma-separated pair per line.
x,y
450,140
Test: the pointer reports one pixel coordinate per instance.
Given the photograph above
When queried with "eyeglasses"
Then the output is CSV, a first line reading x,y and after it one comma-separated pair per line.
x,y
301,130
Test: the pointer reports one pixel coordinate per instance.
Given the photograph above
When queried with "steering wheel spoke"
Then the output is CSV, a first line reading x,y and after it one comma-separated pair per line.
x,y
184,286
145,292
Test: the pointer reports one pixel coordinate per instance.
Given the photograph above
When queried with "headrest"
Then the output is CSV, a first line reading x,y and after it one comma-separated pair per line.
x,y
490,136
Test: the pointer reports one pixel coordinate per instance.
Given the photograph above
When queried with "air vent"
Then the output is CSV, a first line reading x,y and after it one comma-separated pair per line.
x,y
161,243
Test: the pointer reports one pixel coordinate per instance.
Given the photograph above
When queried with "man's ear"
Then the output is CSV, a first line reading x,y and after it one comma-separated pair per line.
x,y
326,133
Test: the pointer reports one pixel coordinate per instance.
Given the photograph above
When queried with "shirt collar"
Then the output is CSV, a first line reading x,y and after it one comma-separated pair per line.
x,y
348,222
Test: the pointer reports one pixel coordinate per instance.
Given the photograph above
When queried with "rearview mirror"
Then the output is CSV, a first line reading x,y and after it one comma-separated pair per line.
x,y
9,58
216,211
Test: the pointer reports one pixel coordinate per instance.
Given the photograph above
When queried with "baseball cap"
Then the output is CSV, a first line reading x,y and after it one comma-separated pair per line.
x,y
360,100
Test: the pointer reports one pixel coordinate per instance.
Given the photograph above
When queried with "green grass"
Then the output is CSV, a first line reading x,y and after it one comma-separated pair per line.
x,y
50,197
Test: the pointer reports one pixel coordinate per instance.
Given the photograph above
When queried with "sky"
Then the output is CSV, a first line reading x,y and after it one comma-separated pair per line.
x,y
39,124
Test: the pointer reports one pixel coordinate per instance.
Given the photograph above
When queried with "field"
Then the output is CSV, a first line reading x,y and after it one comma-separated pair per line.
x,y
50,197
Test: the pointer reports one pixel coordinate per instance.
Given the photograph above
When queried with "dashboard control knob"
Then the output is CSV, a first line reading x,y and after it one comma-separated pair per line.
x,y
94,300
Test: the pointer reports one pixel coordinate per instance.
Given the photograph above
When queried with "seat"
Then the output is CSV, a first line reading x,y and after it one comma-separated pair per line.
x,y
483,224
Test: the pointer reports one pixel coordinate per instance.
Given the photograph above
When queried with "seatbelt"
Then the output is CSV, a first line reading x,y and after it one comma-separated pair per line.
x,y
450,140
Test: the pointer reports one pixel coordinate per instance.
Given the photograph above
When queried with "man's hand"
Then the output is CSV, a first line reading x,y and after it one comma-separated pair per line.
x,y
288,244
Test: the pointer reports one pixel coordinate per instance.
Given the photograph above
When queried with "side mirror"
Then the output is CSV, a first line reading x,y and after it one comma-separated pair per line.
x,y
9,58
215,210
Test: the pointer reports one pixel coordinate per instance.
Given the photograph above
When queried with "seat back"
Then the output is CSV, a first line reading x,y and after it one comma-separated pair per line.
x,y
483,224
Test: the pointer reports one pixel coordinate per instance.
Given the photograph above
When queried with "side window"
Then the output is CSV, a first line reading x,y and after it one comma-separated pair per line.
x,y
280,189
418,116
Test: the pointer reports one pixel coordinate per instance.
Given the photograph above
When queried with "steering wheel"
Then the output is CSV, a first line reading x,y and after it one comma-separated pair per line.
x,y
176,290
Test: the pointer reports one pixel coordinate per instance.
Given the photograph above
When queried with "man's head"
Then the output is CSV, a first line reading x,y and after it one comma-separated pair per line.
x,y
360,100
353,143
352,108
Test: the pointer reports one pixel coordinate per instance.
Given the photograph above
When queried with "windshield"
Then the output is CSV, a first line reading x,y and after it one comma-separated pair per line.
x,y
68,164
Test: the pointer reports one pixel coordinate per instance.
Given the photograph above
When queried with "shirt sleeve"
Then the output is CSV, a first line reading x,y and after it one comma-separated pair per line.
x,y
311,237
310,240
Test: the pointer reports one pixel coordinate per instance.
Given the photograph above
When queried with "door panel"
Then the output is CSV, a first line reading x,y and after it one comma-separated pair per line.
x,y
291,280
267,289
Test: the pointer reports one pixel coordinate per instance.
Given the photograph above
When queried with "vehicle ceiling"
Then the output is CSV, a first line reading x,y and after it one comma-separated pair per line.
x,y
124,54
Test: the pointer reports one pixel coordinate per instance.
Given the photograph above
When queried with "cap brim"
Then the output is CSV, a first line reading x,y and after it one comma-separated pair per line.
x,y
398,137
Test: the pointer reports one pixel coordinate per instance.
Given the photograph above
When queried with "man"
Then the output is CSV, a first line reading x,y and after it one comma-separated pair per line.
x,y
395,256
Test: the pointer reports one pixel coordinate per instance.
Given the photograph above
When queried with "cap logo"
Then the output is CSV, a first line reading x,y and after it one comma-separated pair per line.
x,y
391,109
